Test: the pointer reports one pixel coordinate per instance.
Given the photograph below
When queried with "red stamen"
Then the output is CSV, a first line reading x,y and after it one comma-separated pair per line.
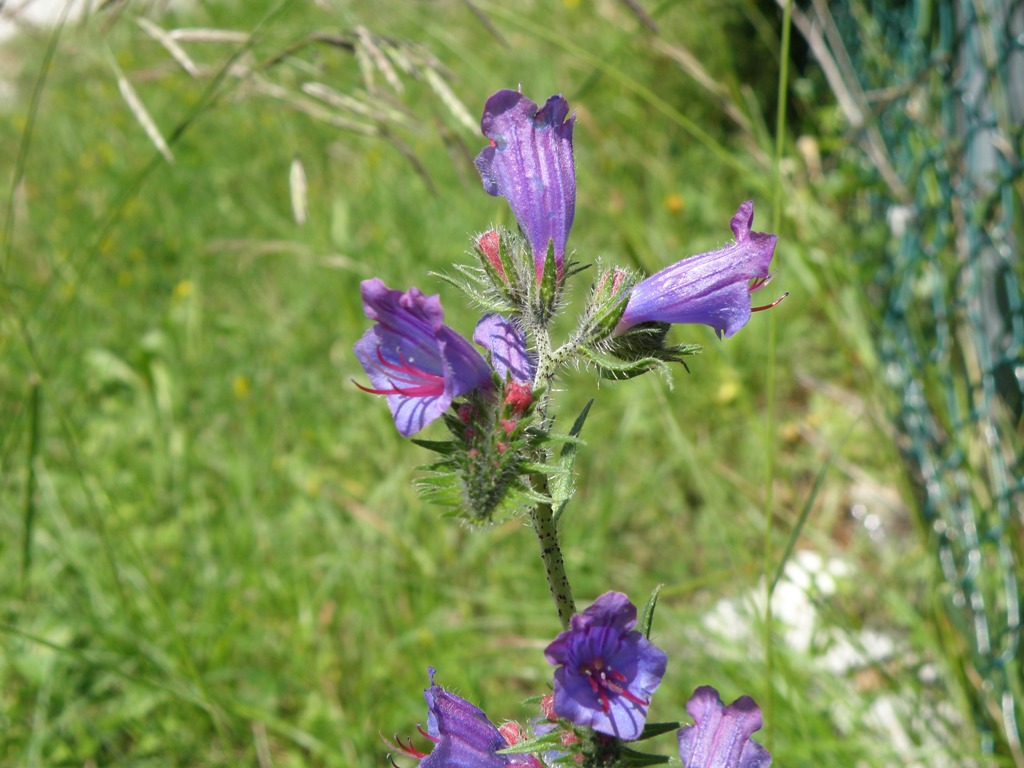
x,y
408,749
604,680
769,306
596,688
426,384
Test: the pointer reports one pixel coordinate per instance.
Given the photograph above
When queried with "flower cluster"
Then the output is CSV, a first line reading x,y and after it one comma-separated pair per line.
x,y
607,672
423,367
502,455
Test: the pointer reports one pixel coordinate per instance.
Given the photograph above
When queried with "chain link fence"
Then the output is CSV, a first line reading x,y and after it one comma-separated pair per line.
x,y
934,91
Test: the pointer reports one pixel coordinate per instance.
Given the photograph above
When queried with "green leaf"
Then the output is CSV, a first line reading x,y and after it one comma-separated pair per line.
x,y
612,368
656,729
562,483
444,447
543,743
631,757
549,279
647,616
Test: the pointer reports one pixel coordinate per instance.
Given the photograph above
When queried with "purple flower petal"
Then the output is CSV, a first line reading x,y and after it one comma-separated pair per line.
x,y
463,736
530,163
413,358
507,345
720,735
607,671
612,609
711,288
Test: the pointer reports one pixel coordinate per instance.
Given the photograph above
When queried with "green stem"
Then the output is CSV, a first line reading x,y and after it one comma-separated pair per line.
x,y
544,526
30,480
542,516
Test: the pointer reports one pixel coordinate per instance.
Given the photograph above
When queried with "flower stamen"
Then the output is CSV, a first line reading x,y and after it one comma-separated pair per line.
x,y
773,304
608,680
408,749
428,384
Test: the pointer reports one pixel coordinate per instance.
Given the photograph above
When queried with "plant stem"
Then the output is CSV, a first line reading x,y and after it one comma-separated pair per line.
x,y
544,526
30,481
542,517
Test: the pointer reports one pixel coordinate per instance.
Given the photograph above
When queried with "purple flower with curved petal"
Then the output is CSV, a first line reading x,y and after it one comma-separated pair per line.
x,y
413,358
607,670
507,346
463,736
711,288
529,162
720,735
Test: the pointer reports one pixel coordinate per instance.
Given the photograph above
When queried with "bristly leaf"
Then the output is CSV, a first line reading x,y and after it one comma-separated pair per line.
x,y
647,616
474,284
562,484
613,368
442,489
549,279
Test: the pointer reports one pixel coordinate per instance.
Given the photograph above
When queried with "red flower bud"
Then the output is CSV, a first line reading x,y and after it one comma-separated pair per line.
x,y
518,397
489,245
547,707
512,732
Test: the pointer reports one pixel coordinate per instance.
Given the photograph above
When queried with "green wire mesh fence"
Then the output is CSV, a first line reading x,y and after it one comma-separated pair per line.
x,y
935,92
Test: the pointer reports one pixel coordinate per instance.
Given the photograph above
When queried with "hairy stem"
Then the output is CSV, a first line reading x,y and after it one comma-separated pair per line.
x,y
542,516
543,521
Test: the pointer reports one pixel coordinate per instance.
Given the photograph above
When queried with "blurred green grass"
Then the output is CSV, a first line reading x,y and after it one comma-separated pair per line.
x,y
229,566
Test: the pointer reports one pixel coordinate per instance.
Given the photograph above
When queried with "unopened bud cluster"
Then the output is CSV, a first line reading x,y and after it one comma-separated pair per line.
x,y
490,446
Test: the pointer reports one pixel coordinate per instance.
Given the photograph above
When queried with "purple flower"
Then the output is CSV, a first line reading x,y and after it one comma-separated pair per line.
x,y
413,358
529,162
463,736
607,670
712,288
720,735
507,346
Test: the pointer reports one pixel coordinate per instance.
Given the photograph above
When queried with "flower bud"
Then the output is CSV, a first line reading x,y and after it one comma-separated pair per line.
x,y
608,299
488,245
518,397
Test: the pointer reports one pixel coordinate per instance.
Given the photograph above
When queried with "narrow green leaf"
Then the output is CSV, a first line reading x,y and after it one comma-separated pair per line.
x,y
537,744
631,757
30,479
656,729
647,616
806,511
562,483
444,447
